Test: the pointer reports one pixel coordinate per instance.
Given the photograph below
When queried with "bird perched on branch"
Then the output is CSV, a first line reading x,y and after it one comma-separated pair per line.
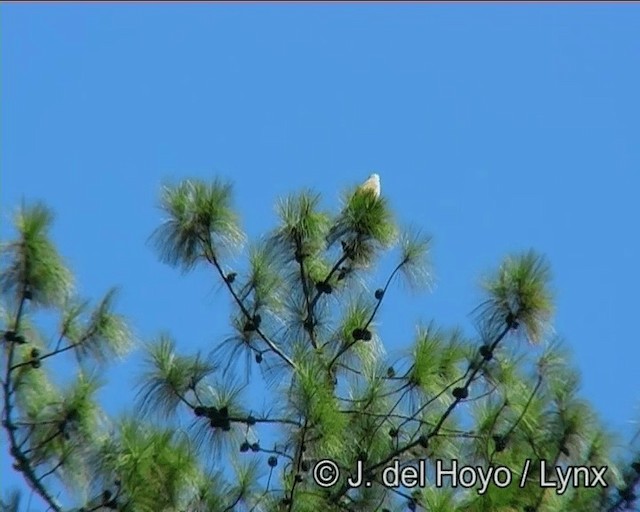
x,y
369,189
372,185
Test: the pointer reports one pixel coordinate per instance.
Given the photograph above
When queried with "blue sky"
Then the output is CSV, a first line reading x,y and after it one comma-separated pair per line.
x,y
496,128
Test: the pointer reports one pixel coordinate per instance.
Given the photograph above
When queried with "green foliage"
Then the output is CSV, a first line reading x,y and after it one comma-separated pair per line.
x,y
105,334
304,315
365,226
200,224
414,263
303,227
169,377
150,467
436,356
520,291
32,262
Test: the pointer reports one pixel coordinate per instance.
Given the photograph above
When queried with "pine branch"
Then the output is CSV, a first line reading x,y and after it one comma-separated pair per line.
x,y
211,258
298,462
309,322
505,437
334,269
23,464
626,495
434,432
348,346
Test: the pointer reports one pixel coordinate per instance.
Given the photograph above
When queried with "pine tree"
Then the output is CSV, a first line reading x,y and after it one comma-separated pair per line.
x,y
503,399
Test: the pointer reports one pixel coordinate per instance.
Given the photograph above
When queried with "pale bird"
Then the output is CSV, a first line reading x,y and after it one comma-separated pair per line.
x,y
372,185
